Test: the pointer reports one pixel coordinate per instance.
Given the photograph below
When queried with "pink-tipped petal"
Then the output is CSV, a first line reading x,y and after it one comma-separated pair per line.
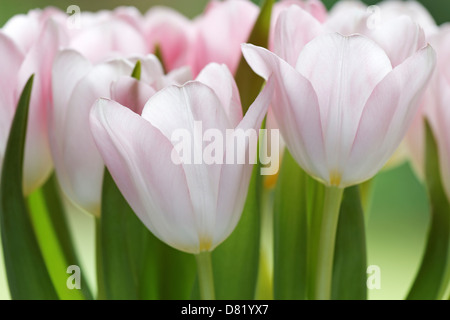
x,y
10,60
400,38
82,173
294,29
220,79
387,115
171,32
37,161
232,199
296,109
68,68
220,32
138,157
113,38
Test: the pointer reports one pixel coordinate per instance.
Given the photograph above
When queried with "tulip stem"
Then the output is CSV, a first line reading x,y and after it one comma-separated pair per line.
x,y
205,275
325,254
101,294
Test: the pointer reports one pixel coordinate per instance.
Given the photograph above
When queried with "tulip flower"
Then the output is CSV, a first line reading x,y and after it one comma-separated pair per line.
x,y
192,207
29,44
172,33
76,85
342,111
108,35
214,36
333,143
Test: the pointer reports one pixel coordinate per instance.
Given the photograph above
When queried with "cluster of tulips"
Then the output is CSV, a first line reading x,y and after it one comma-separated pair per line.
x,y
91,103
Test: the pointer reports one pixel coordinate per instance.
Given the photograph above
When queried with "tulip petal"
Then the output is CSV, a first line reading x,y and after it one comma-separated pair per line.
x,y
81,164
296,109
68,68
347,17
220,79
171,32
343,70
387,115
439,118
131,93
400,38
24,29
38,162
152,72
179,76
232,199
230,23
10,61
413,9
187,106
109,39
138,157
294,29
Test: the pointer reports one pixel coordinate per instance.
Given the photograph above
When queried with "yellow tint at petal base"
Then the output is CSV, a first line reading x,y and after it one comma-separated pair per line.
x,y
335,178
205,244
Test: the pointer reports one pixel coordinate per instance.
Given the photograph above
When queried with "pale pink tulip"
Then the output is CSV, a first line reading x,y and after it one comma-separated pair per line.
x,y
400,37
220,31
343,109
314,7
30,51
172,33
76,85
191,207
108,34
214,36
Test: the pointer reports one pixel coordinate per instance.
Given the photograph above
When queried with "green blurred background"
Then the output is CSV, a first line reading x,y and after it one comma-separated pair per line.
x,y
399,214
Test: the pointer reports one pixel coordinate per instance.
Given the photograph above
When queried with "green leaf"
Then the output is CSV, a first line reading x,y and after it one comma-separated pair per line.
x,y
248,82
350,261
315,202
290,231
49,221
27,274
235,261
118,229
137,71
136,265
430,280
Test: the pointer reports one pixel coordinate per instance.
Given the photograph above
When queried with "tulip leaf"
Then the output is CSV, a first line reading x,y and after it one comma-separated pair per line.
x,y
137,71
235,261
28,277
248,82
430,280
290,231
136,265
123,241
49,221
350,261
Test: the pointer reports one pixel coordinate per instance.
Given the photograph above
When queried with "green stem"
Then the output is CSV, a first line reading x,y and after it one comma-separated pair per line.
x,y
101,293
325,254
264,285
205,275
